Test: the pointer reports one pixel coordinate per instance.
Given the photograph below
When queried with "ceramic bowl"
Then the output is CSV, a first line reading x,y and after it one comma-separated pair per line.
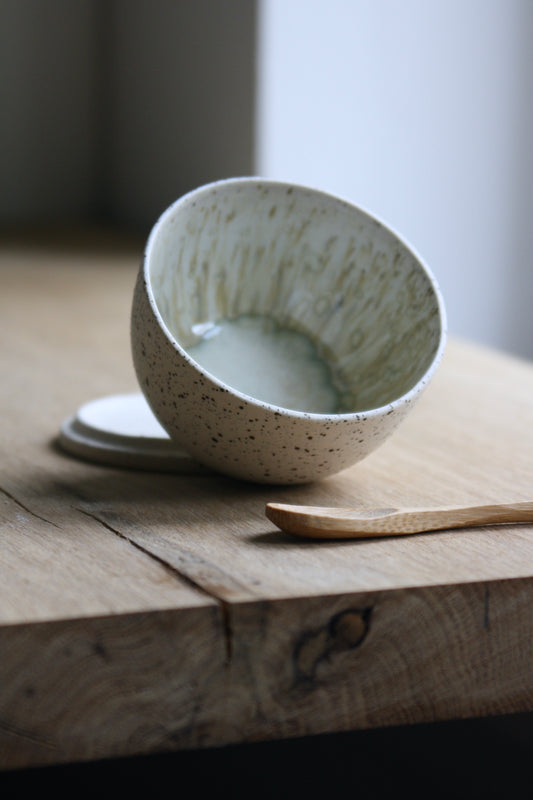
x,y
280,334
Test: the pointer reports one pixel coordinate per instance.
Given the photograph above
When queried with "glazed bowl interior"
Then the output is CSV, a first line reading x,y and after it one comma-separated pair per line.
x,y
306,262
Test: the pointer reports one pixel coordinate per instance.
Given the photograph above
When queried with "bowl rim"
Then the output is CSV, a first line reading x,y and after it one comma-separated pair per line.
x,y
375,412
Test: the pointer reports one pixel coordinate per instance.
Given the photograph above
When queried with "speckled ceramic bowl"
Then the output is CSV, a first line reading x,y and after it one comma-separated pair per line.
x,y
307,263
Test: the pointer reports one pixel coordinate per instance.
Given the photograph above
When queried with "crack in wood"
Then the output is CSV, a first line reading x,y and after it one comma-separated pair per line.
x,y
223,604
28,510
227,623
486,610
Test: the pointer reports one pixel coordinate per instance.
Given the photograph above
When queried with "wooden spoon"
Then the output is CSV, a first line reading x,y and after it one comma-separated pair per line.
x,y
353,523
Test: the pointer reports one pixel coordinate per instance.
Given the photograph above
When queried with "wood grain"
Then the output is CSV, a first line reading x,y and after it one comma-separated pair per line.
x,y
142,612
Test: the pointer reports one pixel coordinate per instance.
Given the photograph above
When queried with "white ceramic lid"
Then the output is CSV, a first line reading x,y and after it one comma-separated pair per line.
x,y
121,430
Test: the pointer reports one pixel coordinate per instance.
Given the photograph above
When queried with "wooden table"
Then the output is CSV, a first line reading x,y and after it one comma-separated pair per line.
x,y
144,612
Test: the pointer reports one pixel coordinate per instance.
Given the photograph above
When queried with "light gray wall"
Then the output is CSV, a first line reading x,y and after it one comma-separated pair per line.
x,y
421,112
113,108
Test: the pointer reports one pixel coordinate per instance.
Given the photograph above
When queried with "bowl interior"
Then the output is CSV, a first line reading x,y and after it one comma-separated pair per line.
x,y
305,262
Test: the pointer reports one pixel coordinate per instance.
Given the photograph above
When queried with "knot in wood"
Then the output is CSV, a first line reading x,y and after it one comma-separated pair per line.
x,y
349,628
344,631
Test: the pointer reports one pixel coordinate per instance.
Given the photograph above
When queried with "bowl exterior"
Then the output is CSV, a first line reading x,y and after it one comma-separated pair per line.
x,y
237,435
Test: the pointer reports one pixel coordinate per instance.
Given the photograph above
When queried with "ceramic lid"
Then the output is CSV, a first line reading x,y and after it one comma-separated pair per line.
x,y
121,430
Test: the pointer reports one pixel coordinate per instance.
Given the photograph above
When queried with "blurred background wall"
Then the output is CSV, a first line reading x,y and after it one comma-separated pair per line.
x,y
111,109
418,110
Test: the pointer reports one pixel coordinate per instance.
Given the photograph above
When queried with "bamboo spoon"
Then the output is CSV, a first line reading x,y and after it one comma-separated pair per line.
x,y
353,523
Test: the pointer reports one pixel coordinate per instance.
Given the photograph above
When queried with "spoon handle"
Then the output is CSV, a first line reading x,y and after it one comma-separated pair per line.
x,y
353,523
